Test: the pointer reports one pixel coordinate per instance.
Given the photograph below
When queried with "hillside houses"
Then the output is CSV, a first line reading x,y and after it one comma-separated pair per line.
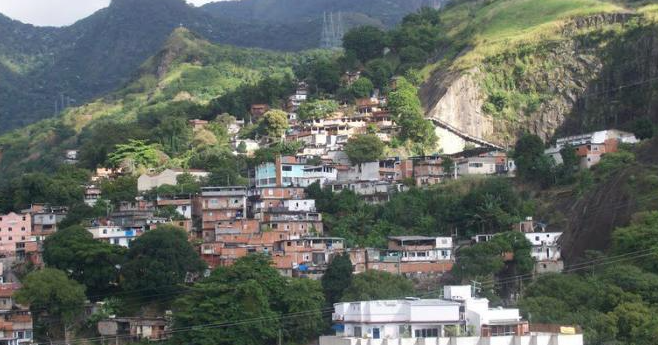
x,y
590,147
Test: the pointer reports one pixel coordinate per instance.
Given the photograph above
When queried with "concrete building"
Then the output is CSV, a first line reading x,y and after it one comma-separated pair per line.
x,y
590,147
92,195
284,172
458,318
45,219
219,204
14,228
421,248
113,234
182,205
125,330
146,182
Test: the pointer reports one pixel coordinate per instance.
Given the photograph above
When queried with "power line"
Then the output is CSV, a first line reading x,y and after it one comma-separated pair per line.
x,y
322,311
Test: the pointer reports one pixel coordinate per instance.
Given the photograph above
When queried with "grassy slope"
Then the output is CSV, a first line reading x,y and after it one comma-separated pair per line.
x,y
495,26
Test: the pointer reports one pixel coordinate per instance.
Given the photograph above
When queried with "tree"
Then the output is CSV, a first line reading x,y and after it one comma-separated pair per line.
x,y
52,295
448,166
337,278
531,163
487,258
317,109
364,148
643,128
135,153
375,285
405,106
173,134
123,188
641,235
88,261
249,289
379,71
159,260
362,88
274,123
366,42
324,76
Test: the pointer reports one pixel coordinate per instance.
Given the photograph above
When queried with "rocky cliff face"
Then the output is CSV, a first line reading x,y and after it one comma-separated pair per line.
x,y
550,87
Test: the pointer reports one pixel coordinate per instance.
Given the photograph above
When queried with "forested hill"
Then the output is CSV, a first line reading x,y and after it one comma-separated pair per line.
x,y
385,12
46,69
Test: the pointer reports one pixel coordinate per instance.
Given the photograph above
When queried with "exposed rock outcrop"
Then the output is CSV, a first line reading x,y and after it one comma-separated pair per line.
x,y
540,87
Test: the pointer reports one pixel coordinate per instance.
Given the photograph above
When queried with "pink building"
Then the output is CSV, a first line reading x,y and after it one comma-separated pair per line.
x,y
14,228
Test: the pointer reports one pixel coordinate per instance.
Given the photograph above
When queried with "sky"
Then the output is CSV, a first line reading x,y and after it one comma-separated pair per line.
x,y
57,12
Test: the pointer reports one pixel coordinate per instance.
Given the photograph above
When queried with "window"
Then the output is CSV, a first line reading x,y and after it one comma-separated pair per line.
x,y
104,231
10,238
427,333
475,165
357,331
10,229
23,229
286,168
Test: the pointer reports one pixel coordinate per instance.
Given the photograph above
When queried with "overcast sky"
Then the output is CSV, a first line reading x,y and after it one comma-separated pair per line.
x,y
57,12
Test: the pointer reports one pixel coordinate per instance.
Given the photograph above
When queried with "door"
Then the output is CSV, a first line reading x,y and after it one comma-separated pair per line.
x,y
375,333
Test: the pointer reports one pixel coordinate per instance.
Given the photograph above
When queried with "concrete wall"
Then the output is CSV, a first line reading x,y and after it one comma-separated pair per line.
x,y
549,339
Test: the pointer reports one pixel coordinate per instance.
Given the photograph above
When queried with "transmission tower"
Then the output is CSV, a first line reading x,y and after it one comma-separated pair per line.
x,y
332,31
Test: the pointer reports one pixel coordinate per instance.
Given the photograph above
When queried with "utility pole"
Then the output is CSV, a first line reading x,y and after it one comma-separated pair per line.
x,y
280,337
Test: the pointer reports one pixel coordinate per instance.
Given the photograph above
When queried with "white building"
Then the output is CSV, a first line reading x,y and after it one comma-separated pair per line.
x,y
299,205
599,137
546,251
321,174
146,182
457,313
113,234
458,318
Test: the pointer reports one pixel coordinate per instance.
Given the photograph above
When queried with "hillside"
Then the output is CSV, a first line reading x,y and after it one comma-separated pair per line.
x,y
566,67
385,12
52,68
180,80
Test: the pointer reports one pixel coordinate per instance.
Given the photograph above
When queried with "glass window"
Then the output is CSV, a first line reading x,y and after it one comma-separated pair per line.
x,y
357,331
286,168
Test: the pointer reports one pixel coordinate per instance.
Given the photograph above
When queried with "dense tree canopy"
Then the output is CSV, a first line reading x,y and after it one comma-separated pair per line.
x,y
377,285
274,123
317,109
366,42
92,263
250,289
49,291
337,278
362,88
158,261
364,148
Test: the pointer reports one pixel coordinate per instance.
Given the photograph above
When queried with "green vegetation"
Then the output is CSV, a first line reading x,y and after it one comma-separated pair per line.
x,y
611,302
473,206
56,301
377,285
407,110
337,278
274,124
88,261
317,109
249,289
158,260
364,148
488,259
